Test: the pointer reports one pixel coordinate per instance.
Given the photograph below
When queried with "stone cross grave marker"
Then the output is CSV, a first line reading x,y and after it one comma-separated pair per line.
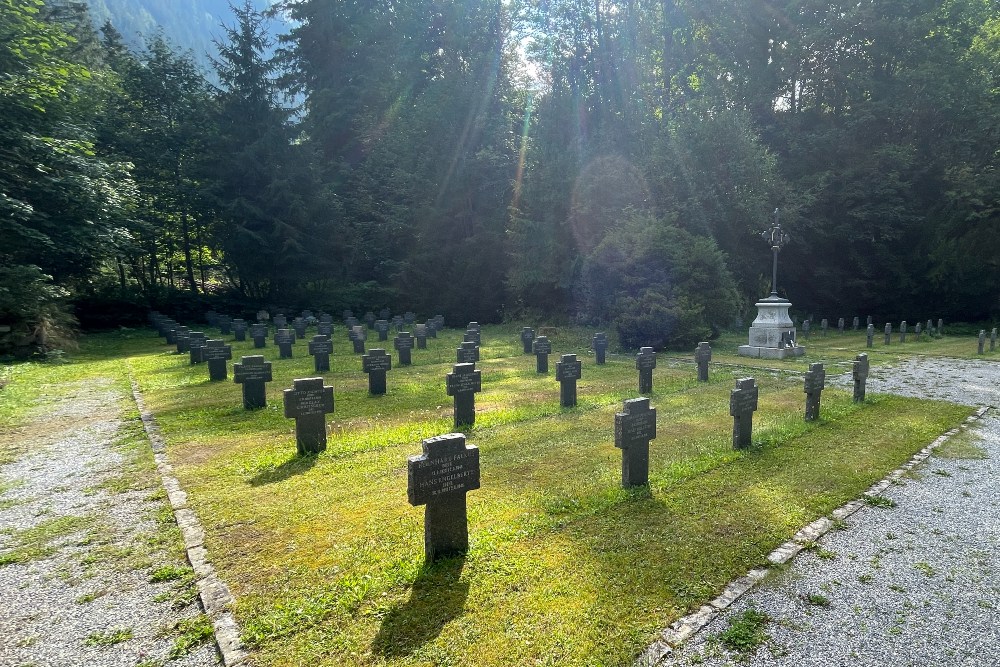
x,y
240,330
409,317
376,363
299,327
993,339
225,325
742,404
252,372
321,347
280,321
196,342
634,428
216,353
982,340
888,333
384,314
432,328
902,332
182,339
860,371
824,325
420,333
352,322
467,353
324,329
473,335
397,323
172,333
325,318
806,328
857,323
940,327
917,331
358,335
283,339
840,325
703,355
308,402
813,385
258,332
527,337
645,362
382,327
569,369
439,479
542,349
370,319
473,326
930,328
462,383
869,320
403,342
600,345
870,335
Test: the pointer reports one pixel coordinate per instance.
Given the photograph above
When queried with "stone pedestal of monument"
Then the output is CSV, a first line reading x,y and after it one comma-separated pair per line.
x,y
772,334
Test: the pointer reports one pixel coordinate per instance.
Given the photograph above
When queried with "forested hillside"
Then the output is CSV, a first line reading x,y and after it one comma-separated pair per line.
x,y
608,162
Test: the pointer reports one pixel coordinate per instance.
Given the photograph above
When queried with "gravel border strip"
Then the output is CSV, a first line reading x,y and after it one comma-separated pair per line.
x,y
660,651
215,595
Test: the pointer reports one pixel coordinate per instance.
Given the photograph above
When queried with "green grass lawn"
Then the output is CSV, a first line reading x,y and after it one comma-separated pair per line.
x,y
325,555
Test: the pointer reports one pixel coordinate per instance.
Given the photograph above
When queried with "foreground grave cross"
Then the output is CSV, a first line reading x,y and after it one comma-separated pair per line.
x,y
462,383
860,371
742,404
216,353
634,428
527,336
308,403
439,479
813,385
252,372
321,347
569,369
703,355
600,345
376,363
467,353
542,349
645,362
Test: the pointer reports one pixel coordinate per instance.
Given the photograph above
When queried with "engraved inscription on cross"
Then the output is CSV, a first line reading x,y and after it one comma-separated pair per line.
x,y
462,383
376,363
569,369
645,362
439,479
308,403
860,371
703,355
216,353
252,372
813,385
600,345
742,404
634,428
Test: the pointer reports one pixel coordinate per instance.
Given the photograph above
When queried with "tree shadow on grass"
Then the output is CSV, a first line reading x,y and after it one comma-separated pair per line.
x,y
293,466
437,596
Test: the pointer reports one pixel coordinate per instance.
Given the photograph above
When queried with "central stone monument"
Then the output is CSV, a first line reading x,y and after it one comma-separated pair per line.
x,y
772,334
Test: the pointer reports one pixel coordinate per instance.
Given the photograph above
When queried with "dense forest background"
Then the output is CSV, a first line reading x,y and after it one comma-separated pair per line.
x,y
597,161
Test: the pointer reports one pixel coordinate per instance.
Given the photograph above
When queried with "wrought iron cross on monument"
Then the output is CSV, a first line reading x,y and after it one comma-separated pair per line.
x,y
777,238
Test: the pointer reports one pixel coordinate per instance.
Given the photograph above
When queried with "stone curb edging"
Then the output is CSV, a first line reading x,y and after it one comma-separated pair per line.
x,y
215,596
658,653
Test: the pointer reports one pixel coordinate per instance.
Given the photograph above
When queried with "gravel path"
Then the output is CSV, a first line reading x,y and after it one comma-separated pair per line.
x,y
79,545
913,583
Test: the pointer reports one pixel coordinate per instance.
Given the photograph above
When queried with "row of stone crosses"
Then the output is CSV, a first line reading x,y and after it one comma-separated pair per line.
x,y
918,331
448,468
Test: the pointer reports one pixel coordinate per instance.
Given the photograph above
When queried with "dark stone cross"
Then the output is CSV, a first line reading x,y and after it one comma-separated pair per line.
x,y
473,335
182,339
569,369
473,326
352,322
376,363
196,341
258,332
462,383
869,320
917,331
982,341
527,337
321,347
384,314
703,355
240,330
283,339
467,353
252,372
358,335
324,329
742,404
432,328
420,333
857,323
542,349
403,342
645,362
870,334
216,353
308,403
172,334
397,323
860,371
813,385
806,326
299,327
370,319
634,428
930,328
840,325
325,318
382,327
600,345
902,332
824,325
280,321
888,333
940,327
439,479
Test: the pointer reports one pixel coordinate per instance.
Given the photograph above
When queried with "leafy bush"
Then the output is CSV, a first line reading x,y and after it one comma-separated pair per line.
x,y
35,310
